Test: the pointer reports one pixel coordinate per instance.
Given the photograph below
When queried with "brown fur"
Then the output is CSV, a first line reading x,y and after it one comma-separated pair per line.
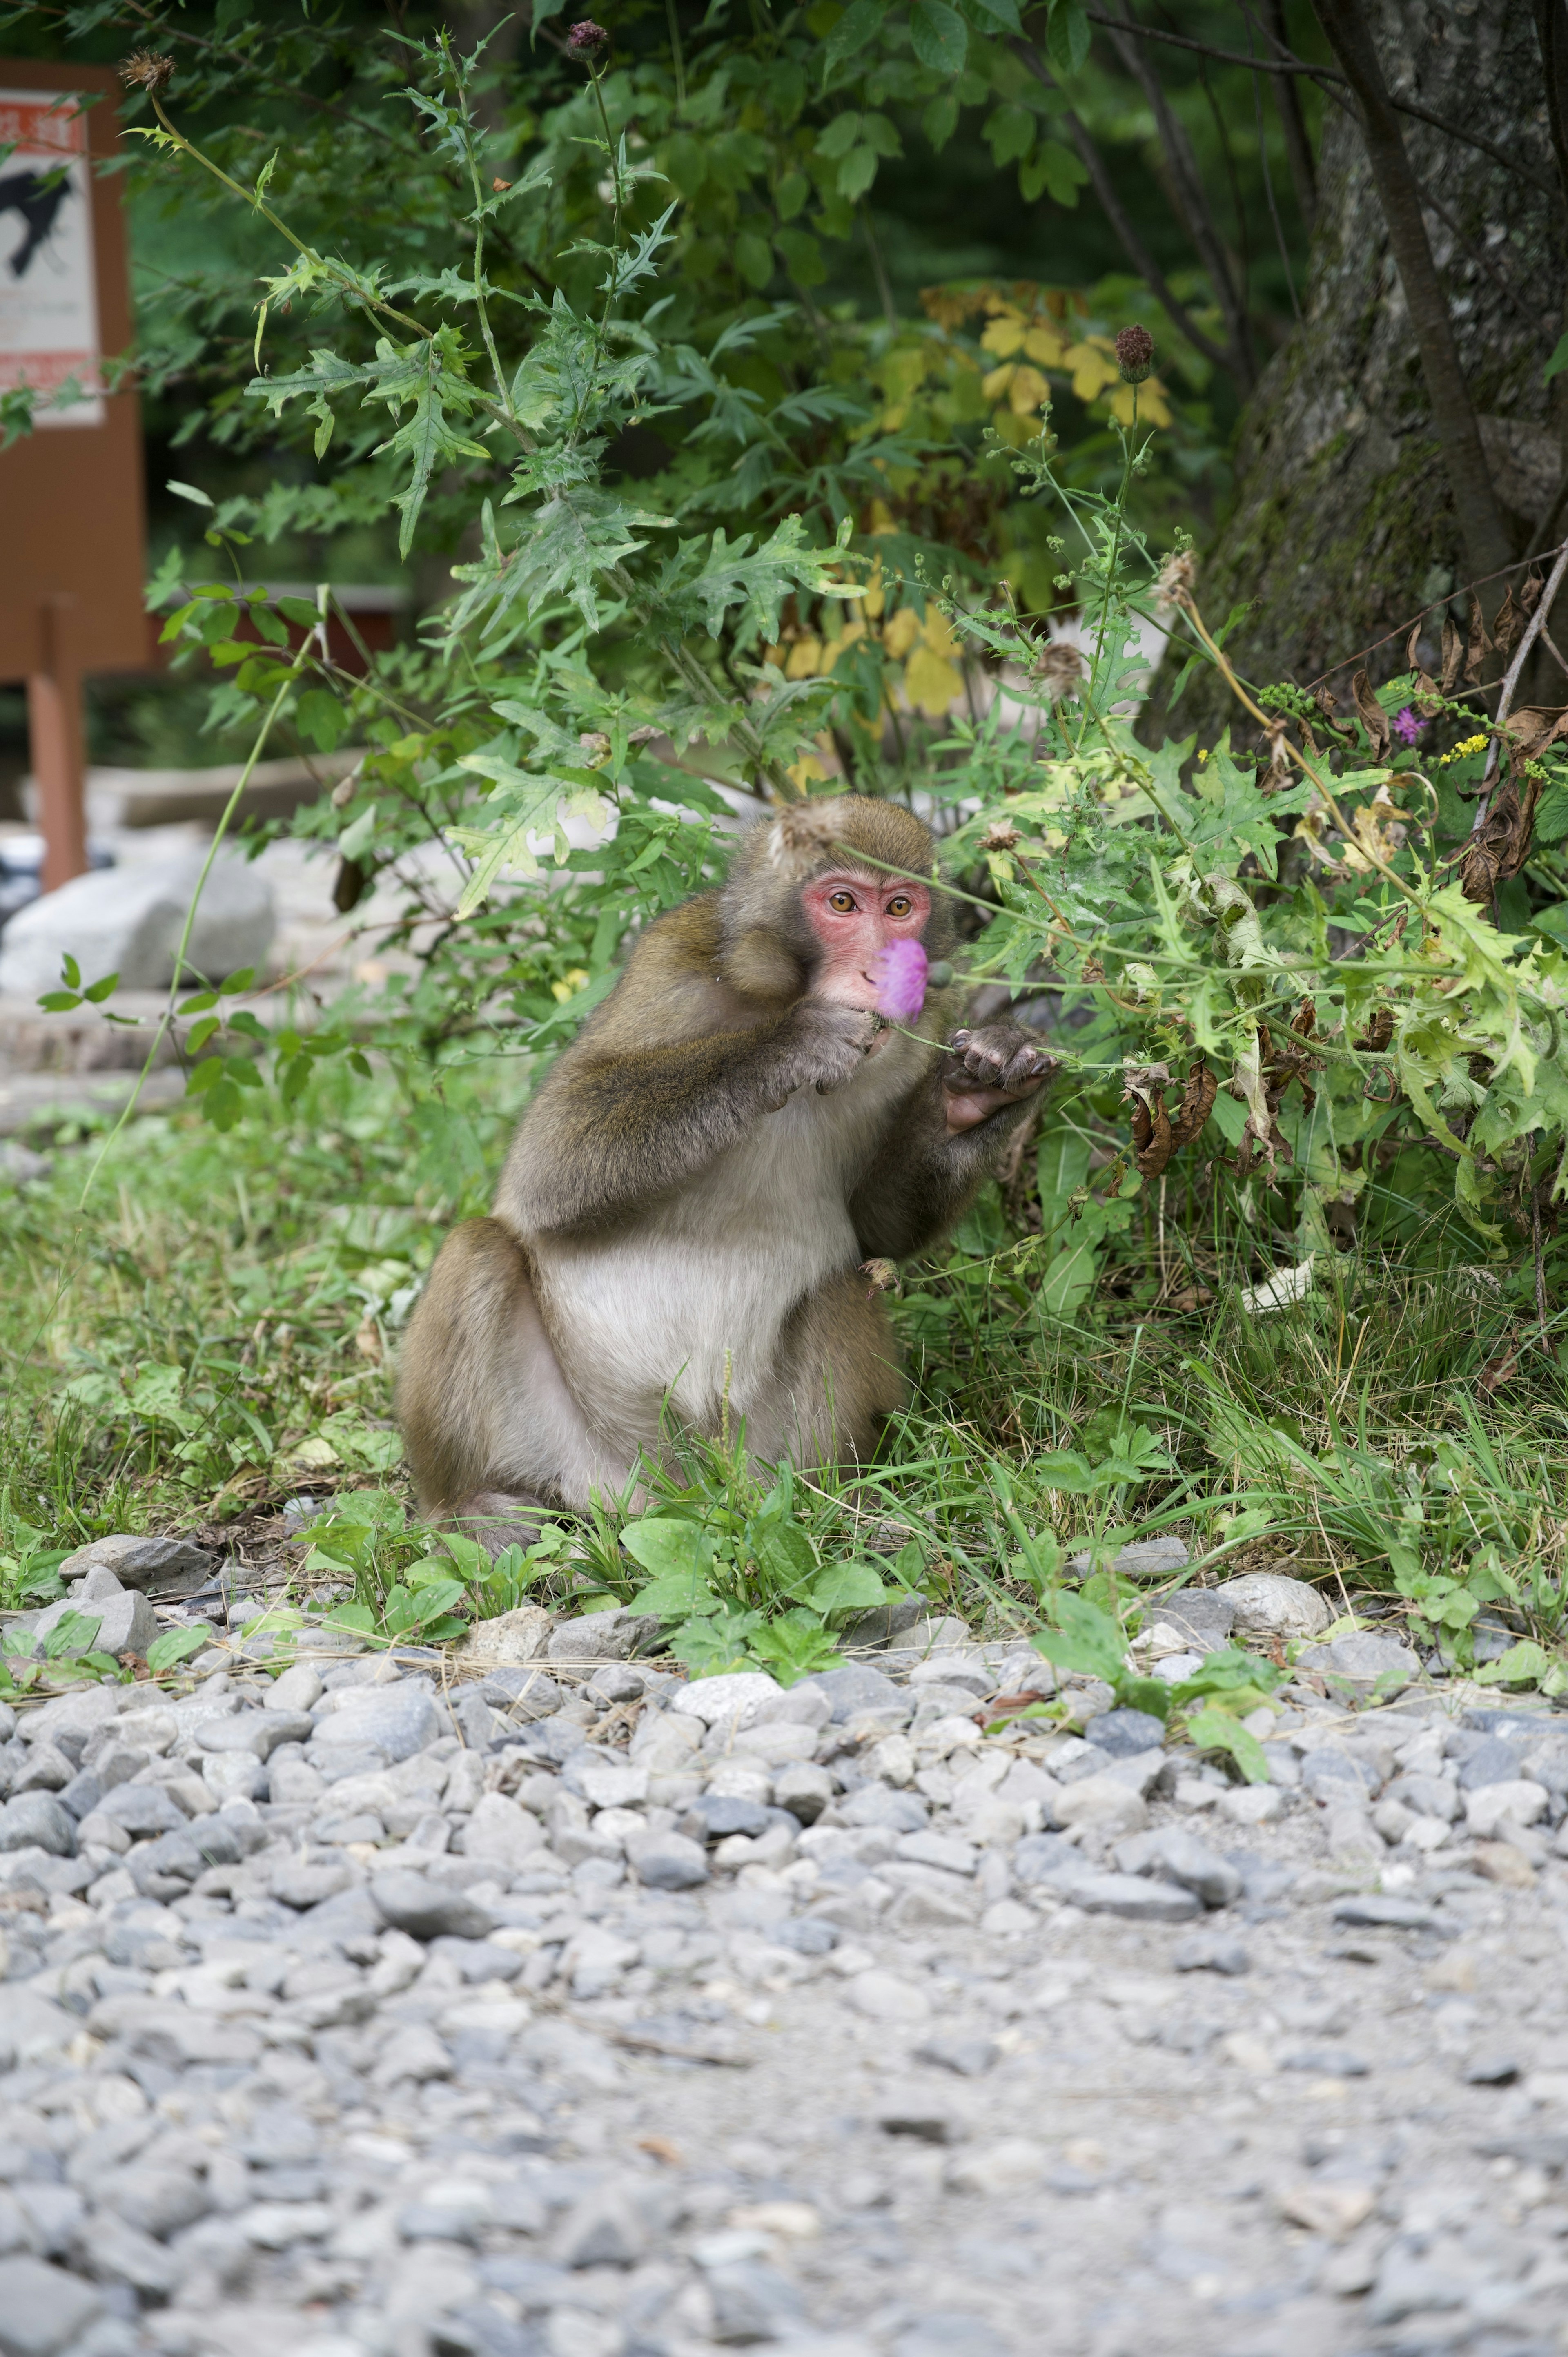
x,y
681,1218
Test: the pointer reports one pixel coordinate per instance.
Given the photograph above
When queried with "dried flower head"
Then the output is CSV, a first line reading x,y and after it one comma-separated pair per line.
x,y
143,70
1177,579
587,39
1060,669
1135,354
999,836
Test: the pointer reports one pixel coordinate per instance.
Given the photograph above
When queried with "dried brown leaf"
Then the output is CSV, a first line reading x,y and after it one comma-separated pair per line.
x,y
1452,653
1477,645
1196,1104
1509,628
1377,1033
1372,717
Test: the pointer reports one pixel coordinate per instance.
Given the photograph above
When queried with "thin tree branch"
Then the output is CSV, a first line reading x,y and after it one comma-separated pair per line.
x,y
1532,631
1292,123
1326,75
1269,192
1400,195
1190,197
1115,212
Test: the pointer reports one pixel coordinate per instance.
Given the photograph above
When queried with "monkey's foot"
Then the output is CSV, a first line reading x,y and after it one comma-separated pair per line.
x,y
500,1519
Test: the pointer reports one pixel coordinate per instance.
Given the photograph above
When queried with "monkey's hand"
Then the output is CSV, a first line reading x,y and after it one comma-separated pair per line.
x,y
825,1046
986,1070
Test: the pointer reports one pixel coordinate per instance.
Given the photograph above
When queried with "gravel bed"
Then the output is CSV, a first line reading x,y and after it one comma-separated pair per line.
x,y
580,2012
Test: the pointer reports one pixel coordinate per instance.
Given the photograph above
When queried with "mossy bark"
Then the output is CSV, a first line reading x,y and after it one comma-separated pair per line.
x,y
1342,525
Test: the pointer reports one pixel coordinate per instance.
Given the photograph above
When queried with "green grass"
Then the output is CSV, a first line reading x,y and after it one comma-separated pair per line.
x,y
215,1333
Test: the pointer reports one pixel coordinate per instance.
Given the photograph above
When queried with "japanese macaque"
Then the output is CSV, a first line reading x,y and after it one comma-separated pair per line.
x,y
681,1226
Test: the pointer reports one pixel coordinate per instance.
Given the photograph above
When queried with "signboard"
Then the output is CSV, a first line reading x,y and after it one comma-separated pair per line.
x,y
72,522
48,282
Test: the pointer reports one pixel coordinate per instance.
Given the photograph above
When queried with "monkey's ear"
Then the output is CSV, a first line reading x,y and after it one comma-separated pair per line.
x,y
759,965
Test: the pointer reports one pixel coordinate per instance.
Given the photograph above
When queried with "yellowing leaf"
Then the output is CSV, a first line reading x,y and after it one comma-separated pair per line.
x,y
1149,399
1045,344
1027,391
1003,334
805,659
802,774
938,632
316,1454
1092,370
997,383
901,631
930,683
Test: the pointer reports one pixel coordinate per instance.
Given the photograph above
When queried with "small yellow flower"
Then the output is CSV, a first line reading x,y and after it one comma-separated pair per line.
x,y
569,985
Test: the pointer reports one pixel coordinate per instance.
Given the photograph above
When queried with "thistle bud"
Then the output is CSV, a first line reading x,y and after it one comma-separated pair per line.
x,y
1135,354
587,39
143,70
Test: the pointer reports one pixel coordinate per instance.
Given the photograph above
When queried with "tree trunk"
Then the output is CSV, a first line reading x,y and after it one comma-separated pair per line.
x,y
1343,522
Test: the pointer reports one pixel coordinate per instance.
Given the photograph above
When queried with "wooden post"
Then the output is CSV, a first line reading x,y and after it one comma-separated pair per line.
x,y
59,748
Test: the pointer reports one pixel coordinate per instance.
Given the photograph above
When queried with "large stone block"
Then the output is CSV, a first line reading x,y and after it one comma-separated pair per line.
x,y
128,920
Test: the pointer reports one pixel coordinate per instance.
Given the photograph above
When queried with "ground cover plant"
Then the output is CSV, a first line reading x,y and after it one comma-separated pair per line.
x,y
1276,1268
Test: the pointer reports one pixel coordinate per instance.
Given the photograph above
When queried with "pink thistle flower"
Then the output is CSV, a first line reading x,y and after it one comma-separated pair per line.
x,y
899,973
1408,728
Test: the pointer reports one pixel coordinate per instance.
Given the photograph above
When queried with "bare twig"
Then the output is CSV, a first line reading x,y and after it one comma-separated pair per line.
x,y
1532,631
1116,213
1189,195
1333,83
1293,123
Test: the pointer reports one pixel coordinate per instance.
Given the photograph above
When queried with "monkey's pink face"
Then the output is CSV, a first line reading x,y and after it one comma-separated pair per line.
x,y
855,917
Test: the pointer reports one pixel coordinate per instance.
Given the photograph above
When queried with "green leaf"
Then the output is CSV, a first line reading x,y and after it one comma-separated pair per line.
x,y
794,1646
857,172
1559,360
74,1632
188,492
356,840
156,1391
1010,133
1213,1730
69,972
1524,1664
785,1555
59,1002
846,1587
1151,1694
358,1617
1056,170
322,718
1062,1469
1067,36
668,1547
1085,1638
860,23
676,1597
176,1645
939,120
754,259
939,35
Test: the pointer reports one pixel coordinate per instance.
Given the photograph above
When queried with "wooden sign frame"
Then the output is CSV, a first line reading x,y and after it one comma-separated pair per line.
x,y
73,507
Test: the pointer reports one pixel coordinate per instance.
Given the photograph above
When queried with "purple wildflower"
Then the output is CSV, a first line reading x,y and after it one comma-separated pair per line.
x,y
1408,728
899,973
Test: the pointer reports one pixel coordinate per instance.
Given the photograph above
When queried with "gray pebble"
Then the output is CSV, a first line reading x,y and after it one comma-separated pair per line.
x,y
426,1910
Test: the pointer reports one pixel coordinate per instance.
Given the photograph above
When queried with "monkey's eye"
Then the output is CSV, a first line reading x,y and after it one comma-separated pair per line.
x,y
899,905
843,901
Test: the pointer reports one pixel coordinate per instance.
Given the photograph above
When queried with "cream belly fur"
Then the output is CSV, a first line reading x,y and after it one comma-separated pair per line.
x,y
651,1315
